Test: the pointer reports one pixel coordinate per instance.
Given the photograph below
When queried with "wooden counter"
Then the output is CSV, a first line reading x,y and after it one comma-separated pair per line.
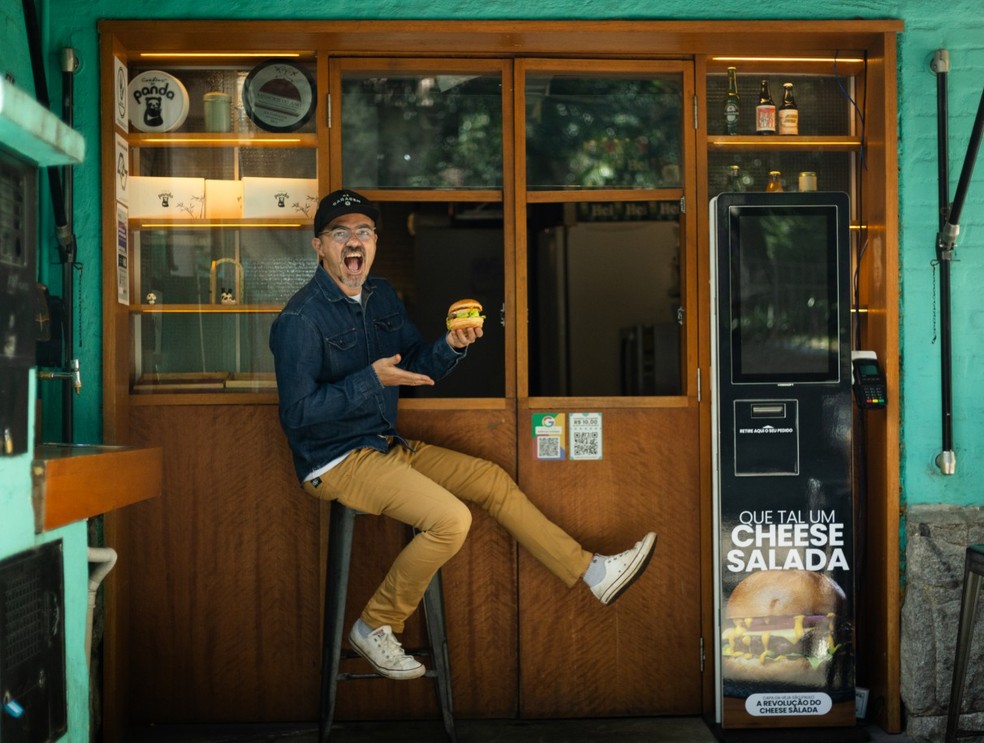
x,y
72,482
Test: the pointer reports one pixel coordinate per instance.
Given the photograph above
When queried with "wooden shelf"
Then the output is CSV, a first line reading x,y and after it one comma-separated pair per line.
x,y
845,65
724,142
205,309
193,383
223,139
213,59
280,223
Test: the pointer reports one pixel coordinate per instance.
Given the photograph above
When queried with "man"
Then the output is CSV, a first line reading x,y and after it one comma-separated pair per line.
x,y
343,346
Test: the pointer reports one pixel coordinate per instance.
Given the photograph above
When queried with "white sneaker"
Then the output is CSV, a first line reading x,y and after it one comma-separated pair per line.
x,y
622,569
385,653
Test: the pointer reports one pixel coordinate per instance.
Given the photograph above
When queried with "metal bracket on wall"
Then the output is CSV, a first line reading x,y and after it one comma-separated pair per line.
x,y
946,242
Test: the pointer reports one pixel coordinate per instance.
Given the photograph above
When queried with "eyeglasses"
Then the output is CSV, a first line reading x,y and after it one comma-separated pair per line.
x,y
342,235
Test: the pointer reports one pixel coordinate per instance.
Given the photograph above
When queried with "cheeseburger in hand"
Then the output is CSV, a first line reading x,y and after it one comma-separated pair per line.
x,y
465,313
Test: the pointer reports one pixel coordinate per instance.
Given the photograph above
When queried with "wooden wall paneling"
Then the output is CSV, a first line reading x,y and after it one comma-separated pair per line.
x,y
568,666
879,663
582,659
115,383
115,694
116,329
480,593
223,599
705,338
227,569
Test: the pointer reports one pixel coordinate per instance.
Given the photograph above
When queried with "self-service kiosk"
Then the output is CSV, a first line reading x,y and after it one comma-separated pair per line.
x,y
782,408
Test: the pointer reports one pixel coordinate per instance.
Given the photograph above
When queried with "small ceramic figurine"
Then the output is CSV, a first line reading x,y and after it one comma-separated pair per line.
x,y
151,298
227,297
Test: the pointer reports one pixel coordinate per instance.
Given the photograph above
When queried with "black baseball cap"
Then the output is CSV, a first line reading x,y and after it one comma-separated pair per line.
x,y
342,202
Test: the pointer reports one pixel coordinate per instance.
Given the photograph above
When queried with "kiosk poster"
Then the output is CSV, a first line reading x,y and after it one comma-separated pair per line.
x,y
787,653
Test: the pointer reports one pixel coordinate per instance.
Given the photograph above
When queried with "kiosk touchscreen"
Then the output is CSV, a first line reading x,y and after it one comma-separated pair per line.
x,y
782,447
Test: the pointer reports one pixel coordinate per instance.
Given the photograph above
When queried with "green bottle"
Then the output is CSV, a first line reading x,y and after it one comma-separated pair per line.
x,y
731,104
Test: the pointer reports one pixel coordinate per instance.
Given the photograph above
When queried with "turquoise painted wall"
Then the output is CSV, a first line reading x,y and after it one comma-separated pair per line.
x,y
16,512
957,26
930,27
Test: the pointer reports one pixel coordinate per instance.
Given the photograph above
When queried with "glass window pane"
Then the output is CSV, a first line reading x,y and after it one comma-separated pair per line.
x,y
435,254
202,351
239,277
604,293
603,132
226,163
192,266
422,131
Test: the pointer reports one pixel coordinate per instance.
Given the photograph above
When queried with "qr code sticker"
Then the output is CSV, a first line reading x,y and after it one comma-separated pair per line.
x,y
548,447
584,445
585,435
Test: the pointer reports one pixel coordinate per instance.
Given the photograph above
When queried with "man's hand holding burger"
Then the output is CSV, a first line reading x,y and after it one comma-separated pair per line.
x,y
463,337
464,321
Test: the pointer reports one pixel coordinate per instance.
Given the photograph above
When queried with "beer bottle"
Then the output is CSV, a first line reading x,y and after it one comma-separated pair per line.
x,y
774,183
788,113
731,101
734,179
765,111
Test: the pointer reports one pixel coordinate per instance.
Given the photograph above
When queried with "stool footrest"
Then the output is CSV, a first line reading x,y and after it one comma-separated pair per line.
x,y
344,676
351,676
350,654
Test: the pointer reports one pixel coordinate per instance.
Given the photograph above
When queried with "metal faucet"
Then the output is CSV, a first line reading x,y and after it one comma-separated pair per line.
x,y
72,373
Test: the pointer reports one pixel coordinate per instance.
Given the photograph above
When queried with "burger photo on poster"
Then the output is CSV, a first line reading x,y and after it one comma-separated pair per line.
x,y
786,627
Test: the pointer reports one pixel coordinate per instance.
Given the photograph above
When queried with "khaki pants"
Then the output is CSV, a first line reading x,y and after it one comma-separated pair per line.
x,y
425,488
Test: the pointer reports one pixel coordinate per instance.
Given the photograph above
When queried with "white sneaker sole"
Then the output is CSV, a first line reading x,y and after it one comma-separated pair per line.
x,y
390,673
636,568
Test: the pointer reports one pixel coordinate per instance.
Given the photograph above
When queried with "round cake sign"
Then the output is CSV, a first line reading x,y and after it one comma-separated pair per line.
x,y
158,101
278,95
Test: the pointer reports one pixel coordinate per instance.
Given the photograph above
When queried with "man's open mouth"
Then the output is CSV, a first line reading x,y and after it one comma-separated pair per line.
x,y
353,262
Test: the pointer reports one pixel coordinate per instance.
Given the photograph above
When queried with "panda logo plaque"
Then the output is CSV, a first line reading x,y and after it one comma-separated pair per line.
x,y
158,102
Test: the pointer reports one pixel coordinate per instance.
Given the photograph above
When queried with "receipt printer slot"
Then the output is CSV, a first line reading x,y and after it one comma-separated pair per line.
x,y
768,410
766,437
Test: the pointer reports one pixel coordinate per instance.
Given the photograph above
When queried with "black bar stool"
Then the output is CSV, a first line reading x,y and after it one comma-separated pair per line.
x,y
340,529
973,570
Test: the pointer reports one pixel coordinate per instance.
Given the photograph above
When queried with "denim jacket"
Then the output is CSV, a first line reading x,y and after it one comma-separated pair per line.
x,y
324,344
